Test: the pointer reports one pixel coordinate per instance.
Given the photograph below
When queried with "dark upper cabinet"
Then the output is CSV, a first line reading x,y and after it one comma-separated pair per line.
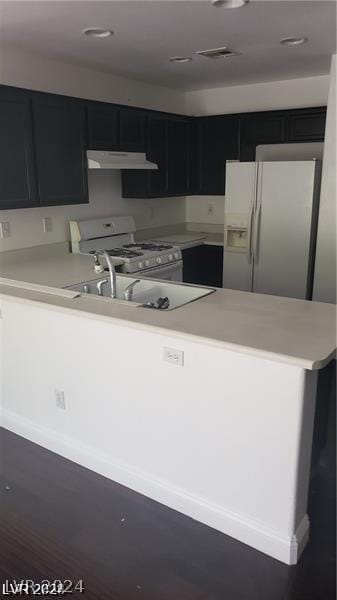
x,y
150,183
132,130
261,128
44,138
306,126
194,156
219,140
178,156
103,126
168,147
17,165
157,148
59,127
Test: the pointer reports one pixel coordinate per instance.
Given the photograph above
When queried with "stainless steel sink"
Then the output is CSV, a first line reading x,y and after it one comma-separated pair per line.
x,y
146,292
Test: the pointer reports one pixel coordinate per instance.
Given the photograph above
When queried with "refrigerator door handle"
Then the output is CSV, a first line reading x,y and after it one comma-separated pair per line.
x,y
249,241
258,213
251,220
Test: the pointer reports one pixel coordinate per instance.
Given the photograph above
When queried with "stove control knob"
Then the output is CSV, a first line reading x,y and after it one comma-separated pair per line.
x,y
140,265
176,255
147,263
170,257
158,260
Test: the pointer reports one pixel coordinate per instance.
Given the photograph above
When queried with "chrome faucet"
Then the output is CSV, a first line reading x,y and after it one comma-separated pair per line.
x,y
99,286
112,271
128,292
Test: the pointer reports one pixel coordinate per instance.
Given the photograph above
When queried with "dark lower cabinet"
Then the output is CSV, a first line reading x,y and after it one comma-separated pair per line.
x,y
103,126
203,265
306,125
17,164
59,126
132,125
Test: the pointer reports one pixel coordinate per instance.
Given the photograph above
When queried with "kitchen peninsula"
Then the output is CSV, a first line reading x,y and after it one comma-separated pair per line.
x,y
225,437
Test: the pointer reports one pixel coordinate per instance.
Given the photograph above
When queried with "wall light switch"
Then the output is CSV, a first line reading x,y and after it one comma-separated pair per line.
x,y
47,224
176,357
60,399
5,229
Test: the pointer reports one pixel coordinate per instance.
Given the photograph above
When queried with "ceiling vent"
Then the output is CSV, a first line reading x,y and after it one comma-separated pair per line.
x,y
216,53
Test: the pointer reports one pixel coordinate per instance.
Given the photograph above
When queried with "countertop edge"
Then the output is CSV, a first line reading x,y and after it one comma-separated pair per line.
x,y
231,346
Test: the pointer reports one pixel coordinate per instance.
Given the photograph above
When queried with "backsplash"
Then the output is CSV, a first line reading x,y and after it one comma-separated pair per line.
x,y
105,199
205,209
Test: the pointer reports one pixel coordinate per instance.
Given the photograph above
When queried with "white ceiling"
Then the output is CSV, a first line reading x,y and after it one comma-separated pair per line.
x,y
147,33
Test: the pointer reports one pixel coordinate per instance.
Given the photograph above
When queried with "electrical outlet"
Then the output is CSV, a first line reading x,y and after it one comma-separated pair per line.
x,y
210,210
47,224
60,399
151,212
5,229
176,357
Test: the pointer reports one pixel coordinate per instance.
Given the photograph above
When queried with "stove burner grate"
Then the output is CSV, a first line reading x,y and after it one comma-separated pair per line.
x,y
149,246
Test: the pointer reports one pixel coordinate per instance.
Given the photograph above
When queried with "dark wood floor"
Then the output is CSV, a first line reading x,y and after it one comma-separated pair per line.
x,y
61,521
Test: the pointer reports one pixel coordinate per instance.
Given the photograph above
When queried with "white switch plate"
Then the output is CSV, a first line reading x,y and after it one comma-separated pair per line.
x,y
5,229
47,224
60,399
174,356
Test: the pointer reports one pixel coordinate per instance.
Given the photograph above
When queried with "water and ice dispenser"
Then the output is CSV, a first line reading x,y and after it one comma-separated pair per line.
x,y
236,233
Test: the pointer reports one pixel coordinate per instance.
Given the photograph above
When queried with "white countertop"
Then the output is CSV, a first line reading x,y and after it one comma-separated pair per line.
x,y
190,239
297,332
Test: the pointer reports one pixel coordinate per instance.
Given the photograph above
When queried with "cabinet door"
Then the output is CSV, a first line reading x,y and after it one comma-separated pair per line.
x,y
219,141
259,129
193,266
213,265
102,126
17,168
307,126
132,124
157,152
194,159
178,157
59,125
203,265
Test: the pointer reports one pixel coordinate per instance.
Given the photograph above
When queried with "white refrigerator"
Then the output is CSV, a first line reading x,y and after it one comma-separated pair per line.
x,y
271,213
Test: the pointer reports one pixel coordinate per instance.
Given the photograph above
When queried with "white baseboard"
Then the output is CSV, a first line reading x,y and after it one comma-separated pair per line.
x,y
257,535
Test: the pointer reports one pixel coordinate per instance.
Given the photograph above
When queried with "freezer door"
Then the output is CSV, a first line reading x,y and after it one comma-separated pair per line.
x,y
239,209
237,272
283,239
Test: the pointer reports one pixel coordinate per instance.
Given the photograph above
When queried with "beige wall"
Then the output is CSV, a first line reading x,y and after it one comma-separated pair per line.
x,y
105,199
291,93
27,70
325,268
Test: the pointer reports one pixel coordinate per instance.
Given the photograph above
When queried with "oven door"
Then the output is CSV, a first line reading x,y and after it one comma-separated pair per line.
x,y
171,272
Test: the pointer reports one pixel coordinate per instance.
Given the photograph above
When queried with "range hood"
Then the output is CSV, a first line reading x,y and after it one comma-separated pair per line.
x,y
98,159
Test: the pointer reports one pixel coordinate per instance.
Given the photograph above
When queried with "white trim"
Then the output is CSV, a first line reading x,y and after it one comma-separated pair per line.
x,y
269,541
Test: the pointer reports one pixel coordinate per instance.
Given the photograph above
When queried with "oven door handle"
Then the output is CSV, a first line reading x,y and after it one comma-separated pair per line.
x,y
164,269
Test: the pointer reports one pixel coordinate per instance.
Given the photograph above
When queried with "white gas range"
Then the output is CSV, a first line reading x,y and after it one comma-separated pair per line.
x,y
116,235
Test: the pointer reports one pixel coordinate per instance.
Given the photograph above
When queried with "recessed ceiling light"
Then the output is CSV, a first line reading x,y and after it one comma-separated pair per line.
x,y
293,41
180,59
98,32
230,3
